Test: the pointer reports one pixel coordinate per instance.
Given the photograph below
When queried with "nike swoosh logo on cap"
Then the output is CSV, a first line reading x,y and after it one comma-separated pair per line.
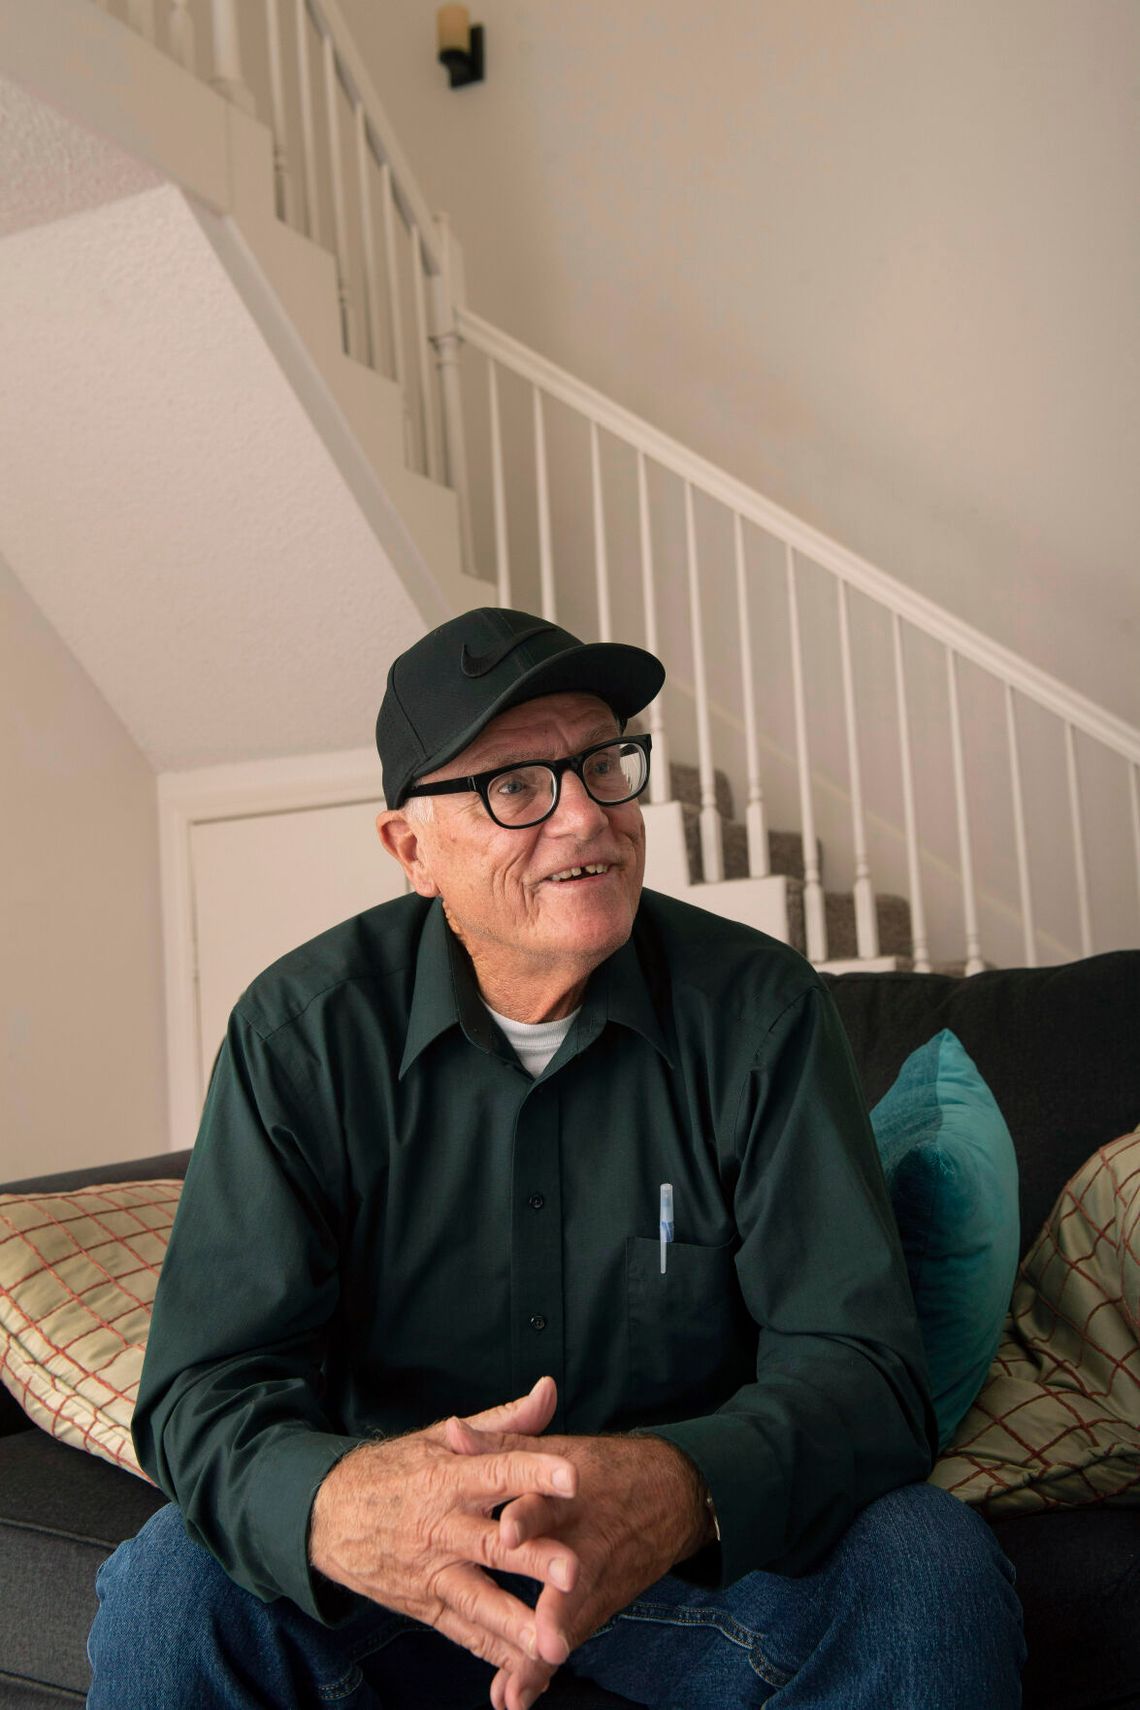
x,y
478,664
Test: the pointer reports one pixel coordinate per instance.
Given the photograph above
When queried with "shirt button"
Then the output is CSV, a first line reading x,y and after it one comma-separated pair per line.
x,y
537,1322
536,1201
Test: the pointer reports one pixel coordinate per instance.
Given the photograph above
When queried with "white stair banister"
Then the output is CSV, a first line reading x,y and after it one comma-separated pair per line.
x,y
712,850
277,100
313,225
815,920
227,78
601,564
431,463
1080,869
498,491
974,962
660,782
368,240
180,29
542,496
1020,843
395,312
757,831
866,918
920,950
446,287
340,221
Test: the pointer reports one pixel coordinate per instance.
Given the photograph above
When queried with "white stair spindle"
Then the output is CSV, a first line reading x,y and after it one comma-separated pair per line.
x,y
974,962
712,848
758,859
660,783
445,337
601,564
395,311
447,361
140,16
1078,844
866,918
499,493
432,466
542,494
340,223
227,78
1019,838
1134,791
180,29
308,130
815,920
920,950
282,179
368,235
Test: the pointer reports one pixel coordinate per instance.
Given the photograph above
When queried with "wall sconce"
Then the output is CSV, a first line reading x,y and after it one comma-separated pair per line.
x,y
460,45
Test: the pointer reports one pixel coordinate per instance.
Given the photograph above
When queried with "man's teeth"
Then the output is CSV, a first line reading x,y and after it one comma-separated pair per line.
x,y
576,872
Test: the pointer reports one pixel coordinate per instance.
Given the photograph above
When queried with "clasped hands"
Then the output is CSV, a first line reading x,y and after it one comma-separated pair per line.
x,y
409,1522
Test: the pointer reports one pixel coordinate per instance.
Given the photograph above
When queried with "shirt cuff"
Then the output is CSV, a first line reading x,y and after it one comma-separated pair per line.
x,y
288,1475
724,1449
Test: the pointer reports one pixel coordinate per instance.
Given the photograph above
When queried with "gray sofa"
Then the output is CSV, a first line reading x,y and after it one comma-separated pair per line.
x,y
1060,1049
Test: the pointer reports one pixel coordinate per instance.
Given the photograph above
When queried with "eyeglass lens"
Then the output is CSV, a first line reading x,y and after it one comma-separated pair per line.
x,y
525,793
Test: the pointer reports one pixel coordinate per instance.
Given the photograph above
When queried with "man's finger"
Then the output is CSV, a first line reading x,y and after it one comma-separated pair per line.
x,y
516,1692
496,1626
514,1472
529,1517
528,1416
481,1541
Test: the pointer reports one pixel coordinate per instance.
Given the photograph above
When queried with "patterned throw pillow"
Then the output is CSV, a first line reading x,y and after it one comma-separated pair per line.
x,y
1058,1422
77,1280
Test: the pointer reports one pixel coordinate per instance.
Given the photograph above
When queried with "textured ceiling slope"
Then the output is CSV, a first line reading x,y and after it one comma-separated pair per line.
x,y
50,167
166,500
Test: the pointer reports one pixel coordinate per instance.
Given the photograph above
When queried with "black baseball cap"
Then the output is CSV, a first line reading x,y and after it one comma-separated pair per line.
x,y
442,691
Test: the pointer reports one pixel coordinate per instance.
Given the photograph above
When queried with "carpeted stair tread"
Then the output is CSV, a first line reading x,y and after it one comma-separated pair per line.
x,y
894,925
686,785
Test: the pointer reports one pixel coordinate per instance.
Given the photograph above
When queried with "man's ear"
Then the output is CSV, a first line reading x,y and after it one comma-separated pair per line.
x,y
403,841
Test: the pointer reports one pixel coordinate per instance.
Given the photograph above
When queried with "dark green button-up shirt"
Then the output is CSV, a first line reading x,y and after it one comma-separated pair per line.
x,y
387,1220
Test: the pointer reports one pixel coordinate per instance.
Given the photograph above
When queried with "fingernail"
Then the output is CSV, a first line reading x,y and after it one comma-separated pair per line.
x,y
530,1643
564,1480
560,1573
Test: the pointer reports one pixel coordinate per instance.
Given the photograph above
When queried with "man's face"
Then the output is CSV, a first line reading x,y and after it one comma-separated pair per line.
x,y
499,885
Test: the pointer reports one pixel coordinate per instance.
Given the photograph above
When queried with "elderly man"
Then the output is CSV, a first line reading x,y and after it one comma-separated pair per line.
x,y
534,1300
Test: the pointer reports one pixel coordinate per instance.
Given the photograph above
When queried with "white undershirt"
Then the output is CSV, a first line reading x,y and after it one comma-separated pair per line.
x,y
534,1042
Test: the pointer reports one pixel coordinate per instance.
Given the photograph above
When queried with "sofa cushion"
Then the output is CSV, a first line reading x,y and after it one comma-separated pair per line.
x,y
78,1273
952,1177
1058,1422
1056,1046
61,1513
1078,1576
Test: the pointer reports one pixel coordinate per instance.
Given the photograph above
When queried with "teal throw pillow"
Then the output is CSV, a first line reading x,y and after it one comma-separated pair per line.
x,y
952,1176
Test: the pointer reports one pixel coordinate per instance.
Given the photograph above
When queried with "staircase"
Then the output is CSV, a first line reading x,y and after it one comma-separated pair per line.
x,y
953,783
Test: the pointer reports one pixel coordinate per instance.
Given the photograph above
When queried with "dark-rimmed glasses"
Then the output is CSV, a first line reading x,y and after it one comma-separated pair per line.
x,y
525,794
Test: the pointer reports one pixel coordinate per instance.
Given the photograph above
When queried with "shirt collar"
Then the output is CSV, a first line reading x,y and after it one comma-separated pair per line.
x,y
446,995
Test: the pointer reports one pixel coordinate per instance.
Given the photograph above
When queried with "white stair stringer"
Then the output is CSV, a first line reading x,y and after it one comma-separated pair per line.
x,y
110,80
761,903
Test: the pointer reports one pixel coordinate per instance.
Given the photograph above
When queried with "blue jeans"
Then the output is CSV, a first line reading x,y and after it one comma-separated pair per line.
x,y
914,1609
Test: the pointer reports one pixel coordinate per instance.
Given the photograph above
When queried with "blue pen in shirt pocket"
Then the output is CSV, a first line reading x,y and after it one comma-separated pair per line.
x,y
665,1222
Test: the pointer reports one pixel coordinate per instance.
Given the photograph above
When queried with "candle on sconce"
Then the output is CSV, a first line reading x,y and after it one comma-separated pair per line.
x,y
454,26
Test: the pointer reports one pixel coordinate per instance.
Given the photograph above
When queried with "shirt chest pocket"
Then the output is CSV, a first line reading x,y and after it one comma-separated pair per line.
x,y
691,1341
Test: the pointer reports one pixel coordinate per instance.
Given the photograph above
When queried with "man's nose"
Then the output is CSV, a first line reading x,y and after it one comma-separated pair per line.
x,y
577,810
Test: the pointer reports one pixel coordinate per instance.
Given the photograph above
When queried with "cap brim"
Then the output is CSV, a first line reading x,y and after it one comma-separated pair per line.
x,y
626,678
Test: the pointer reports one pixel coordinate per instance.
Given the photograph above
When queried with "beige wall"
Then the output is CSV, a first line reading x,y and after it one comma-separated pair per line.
x,y
880,260
83,1075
